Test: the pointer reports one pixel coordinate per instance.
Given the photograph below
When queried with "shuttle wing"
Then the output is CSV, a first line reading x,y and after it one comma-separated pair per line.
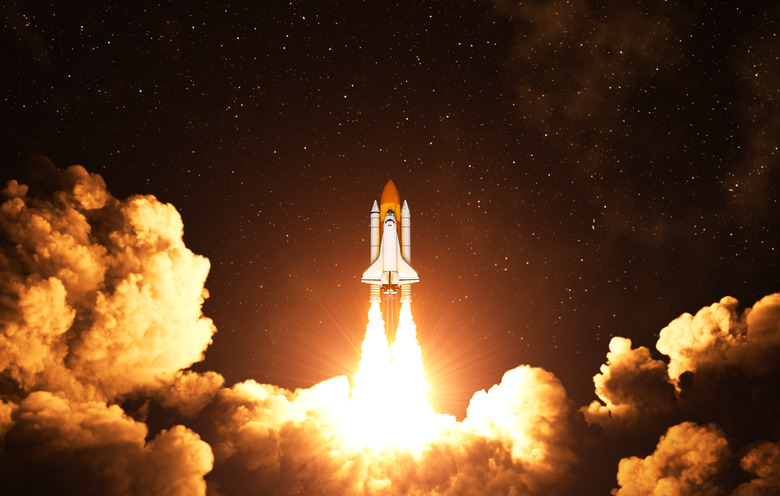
x,y
390,268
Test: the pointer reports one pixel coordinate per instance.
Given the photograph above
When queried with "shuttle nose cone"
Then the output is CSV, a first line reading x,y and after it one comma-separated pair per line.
x,y
390,193
389,200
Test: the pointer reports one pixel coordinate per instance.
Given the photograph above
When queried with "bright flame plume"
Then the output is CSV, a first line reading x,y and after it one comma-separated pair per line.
x,y
389,404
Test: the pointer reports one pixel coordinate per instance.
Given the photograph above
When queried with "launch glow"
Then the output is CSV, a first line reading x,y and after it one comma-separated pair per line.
x,y
389,401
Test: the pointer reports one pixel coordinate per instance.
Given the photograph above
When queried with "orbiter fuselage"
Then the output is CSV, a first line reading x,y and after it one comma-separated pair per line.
x,y
390,271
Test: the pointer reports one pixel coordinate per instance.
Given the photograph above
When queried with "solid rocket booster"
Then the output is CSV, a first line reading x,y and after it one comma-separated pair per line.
x,y
390,248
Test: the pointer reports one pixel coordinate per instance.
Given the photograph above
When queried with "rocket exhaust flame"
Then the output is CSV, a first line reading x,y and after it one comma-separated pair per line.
x,y
407,367
371,382
389,403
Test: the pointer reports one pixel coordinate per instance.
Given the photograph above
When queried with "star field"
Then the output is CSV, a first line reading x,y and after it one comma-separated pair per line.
x,y
575,170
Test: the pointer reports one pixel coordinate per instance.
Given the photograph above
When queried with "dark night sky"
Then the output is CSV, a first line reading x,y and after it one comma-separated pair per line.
x,y
575,170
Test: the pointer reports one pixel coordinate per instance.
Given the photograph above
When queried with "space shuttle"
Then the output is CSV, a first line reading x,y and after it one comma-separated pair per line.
x,y
390,271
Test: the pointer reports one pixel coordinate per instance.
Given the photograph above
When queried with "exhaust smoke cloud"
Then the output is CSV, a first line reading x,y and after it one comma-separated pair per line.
x,y
99,298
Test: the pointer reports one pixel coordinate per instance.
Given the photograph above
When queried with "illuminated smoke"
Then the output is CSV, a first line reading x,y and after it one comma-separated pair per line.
x,y
93,287
724,372
92,448
691,341
634,390
188,392
99,298
299,449
386,439
687,461
762,462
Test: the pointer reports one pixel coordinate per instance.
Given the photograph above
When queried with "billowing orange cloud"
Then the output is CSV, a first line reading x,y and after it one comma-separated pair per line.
x,y
99,298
